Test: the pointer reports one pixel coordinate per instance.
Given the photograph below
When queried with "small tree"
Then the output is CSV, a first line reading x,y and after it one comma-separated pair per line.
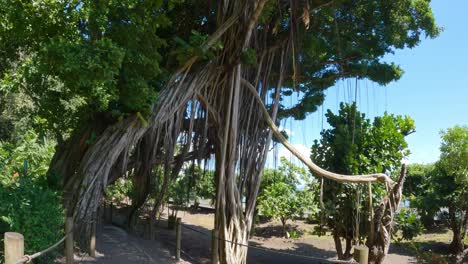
x,y
418,190
281,198
450,185
354,145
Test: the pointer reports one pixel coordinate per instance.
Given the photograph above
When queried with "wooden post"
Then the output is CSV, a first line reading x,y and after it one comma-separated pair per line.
x,y
14,247
178,237
361,254
214,246
92,242
69,241
110,212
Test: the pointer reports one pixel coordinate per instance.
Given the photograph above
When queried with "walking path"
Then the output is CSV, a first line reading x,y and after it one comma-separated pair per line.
x,y
116,246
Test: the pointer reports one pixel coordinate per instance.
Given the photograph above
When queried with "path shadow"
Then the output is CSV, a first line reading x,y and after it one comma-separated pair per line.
x,y
196,247
400,249
275,230
301,254
116,246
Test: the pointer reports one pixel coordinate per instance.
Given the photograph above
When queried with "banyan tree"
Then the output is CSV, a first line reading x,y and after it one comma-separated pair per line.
x,y
125,86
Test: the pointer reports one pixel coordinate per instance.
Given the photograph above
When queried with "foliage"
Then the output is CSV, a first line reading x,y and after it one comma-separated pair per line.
x,y
348,39
31,153
408,224
192,184
449,182
179,192
76,59
427,256
444,185
354,145
15,118
418,190
27,204
81,60
120,190
201,182
454,154
281,199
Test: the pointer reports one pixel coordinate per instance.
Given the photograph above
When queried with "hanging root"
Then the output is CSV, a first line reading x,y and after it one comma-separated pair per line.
x,y
383,221
377,177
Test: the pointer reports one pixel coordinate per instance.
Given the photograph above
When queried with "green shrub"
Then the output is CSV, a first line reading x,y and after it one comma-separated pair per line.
x,y
31,153
424,256
408,223
120,190
33,210
294,234
27,205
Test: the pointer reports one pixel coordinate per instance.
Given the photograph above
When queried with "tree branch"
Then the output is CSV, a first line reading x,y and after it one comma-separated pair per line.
x,y
377,177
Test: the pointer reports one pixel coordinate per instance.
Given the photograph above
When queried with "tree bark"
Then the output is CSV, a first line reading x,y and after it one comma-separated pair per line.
x,y
230,221
338,246
283,224
349,246
383,221
457,244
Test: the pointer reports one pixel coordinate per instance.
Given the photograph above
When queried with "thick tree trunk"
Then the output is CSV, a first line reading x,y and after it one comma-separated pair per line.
x,y
283,225
338,246
427,219
457,246
68,154
85,188
383,221
349,246
229,220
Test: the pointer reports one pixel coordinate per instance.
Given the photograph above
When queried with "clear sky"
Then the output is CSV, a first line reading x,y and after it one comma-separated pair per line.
x,y
433,90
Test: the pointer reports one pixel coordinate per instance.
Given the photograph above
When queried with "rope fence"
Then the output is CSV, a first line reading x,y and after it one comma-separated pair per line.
x,y
14,245
29,258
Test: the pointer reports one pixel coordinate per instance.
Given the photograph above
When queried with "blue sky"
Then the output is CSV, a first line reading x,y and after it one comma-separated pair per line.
x,y
433,90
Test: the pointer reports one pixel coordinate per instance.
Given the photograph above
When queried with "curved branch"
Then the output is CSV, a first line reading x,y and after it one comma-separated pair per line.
x,y
377,177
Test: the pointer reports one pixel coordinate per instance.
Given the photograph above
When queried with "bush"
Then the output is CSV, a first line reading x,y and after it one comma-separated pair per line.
x,y
33,210
408,223
427,256
27,204
120,190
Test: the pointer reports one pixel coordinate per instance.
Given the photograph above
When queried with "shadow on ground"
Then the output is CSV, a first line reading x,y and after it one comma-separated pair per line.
x,y
196,247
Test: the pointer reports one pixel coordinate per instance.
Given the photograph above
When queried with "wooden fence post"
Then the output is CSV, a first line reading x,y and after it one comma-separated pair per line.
x,y
178,237
69,241
214,246
14,247
92,242
361,254
110,212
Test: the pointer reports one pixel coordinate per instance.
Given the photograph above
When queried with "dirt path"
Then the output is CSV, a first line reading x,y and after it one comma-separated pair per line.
x,y
196,243
116,246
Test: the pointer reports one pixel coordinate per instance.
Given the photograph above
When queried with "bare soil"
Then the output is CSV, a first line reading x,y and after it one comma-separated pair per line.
x,y
266,245
269,246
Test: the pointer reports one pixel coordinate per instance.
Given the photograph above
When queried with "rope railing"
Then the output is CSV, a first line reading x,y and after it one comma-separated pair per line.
x,y
28,258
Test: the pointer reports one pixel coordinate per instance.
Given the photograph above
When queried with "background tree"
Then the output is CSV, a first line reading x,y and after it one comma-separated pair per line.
x,y
354,145
201,182
449,185
419,191
281,198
